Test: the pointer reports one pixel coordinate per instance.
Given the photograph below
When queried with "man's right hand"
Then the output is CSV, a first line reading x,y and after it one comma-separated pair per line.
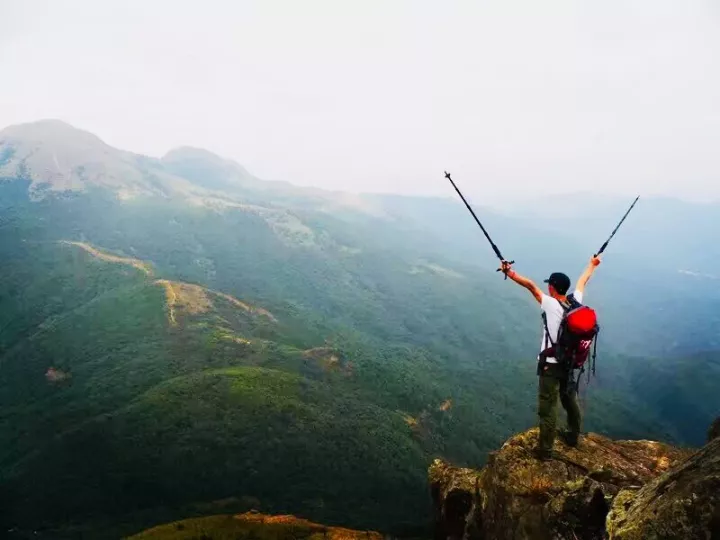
x,y
595,261
505,267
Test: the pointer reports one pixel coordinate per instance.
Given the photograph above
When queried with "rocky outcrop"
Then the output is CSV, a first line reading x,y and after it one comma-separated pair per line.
x,y
683,503
714,431
252,525
515,496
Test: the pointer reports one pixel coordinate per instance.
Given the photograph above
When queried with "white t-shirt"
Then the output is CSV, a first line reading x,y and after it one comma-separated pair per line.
x,y
554,313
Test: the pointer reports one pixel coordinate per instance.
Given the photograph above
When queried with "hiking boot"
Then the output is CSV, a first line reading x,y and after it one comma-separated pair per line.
x,y
569,438
542,454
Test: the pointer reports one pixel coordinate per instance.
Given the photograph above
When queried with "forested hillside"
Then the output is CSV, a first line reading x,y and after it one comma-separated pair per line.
x,y
178,336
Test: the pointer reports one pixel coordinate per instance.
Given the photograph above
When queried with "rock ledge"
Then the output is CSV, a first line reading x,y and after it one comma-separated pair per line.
x,y
515,496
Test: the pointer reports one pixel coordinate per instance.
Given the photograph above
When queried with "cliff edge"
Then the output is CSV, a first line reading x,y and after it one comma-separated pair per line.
x,y
602,489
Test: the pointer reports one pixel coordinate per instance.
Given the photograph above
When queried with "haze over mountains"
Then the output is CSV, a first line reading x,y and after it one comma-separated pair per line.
x,y
667,245
214,327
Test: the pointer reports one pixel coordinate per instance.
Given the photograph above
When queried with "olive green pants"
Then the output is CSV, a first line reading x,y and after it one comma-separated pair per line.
x,y
553,386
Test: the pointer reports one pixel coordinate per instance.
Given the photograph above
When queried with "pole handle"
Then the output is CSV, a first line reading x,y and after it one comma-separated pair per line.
x,y
600,251
510,262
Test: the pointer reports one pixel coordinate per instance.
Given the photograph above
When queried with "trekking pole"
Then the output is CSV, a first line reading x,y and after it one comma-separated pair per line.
x,y
618,226
492,244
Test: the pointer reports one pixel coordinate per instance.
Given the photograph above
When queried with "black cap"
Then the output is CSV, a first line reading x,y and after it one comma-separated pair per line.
x,y
559,281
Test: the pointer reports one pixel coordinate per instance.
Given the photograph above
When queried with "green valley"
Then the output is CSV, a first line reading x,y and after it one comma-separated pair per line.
x,y
179,338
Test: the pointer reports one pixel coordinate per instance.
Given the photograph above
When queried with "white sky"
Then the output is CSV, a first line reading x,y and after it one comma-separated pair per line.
x,y
513,97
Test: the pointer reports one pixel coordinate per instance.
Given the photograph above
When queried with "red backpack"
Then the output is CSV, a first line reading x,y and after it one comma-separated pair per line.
x,y
578,329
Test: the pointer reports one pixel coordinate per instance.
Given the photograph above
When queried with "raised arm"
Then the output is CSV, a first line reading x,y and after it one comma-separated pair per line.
x,y
587,274
506,269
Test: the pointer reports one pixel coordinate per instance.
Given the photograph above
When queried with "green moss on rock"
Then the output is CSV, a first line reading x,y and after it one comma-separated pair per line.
x,y
682,503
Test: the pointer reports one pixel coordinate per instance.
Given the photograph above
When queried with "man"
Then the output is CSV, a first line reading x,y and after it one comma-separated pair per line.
x,y
555,382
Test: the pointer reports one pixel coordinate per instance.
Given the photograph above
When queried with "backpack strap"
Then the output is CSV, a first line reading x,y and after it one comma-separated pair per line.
x,y
548,339
594,355
572,302
566,308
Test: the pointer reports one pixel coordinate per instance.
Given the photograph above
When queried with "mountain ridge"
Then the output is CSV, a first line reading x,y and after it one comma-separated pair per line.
x,y
56,156
50,130
190,167
220,373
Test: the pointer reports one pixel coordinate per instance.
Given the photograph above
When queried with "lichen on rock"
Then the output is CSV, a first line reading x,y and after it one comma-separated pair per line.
x,y
682,503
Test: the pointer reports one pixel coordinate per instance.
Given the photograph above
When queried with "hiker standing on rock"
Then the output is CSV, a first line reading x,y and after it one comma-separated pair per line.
x,y
556,380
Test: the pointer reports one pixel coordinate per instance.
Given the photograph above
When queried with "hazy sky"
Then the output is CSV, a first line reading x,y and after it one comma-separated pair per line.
x,y
618,96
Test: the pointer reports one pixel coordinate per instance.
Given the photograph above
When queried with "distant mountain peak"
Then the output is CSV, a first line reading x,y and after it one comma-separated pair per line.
x,y
206,169
193,152
43,123
55,155
50,130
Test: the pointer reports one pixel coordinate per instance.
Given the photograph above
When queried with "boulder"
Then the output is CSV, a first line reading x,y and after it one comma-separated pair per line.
x,y
682,503
516,496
